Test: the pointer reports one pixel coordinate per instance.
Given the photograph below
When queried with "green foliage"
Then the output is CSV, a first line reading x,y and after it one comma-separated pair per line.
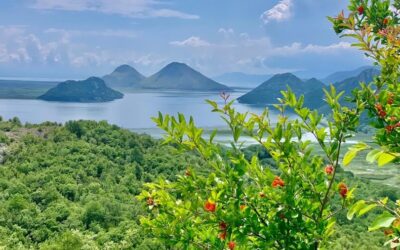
x,y
375,27
258,208
73,186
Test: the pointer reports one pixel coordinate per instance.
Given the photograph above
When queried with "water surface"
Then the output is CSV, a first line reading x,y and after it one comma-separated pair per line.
x,y
134,111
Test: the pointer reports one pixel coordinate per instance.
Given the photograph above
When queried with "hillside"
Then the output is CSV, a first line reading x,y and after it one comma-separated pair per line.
x,y
74,186
269,91
92,89
343,75
315,99
124,77
179,76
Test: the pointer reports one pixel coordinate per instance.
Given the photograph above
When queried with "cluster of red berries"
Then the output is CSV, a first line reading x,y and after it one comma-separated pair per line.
x,y
329,169
381,112
390,128
278,182
343,190
222,227
222,235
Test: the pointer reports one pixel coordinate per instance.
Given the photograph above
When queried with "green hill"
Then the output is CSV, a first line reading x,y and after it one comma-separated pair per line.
x,y
124,77
92,89
179,76
269,91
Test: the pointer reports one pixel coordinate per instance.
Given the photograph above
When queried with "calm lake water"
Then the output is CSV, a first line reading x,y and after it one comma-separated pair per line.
x,y
132,112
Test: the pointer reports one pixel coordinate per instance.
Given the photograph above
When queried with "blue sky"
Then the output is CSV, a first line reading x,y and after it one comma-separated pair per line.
x,y
64,39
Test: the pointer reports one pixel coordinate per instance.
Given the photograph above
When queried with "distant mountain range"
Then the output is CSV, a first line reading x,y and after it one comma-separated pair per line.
x,y
269,91
343,75
124,76
239,79
174,76
179,76
93,89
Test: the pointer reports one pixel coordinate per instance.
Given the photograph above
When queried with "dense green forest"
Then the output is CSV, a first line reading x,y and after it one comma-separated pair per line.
x,y
73,186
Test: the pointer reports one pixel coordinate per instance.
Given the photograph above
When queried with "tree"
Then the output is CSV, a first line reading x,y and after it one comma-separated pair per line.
x,y
243,204
375,26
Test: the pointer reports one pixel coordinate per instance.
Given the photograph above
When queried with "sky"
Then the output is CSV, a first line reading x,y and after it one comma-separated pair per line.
x,y
73,39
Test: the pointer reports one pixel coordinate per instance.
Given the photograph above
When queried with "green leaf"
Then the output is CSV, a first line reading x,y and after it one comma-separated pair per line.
x,y
383,220
385,158
355,208
366,209
373,155
349,156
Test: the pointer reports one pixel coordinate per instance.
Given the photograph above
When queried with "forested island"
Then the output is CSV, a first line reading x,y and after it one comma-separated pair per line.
x,y
92,89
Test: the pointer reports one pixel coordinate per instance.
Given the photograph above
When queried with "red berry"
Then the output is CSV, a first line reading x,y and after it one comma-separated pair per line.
x,y
210,206
242,207
343,190
389,128
278,182
385,21
223,226
378,107
231,245
222,235
329,169
360,10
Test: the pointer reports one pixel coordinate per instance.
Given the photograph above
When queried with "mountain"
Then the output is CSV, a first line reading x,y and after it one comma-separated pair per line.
x,y
343,75
124,77
179,76
315,99
93,89
240,79
269,91
351,83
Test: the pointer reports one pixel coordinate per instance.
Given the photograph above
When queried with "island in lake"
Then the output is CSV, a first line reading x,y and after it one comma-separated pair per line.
x,y
93,89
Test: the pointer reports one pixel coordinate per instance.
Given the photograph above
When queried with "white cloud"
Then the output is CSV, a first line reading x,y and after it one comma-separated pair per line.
x,y
281,11
171,13
192,41
297,48
19,46
244,53
226,32
129,8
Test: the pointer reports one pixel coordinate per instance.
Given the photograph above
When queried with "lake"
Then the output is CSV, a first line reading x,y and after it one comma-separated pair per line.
x,y
132,112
